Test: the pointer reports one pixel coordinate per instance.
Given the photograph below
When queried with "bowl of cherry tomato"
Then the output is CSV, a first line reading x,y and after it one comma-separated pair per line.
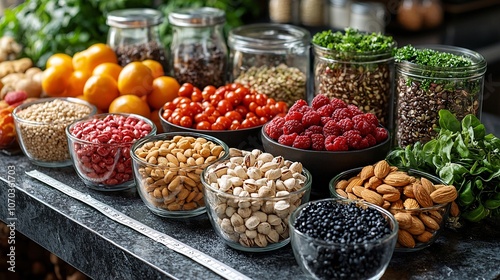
x,y
232,113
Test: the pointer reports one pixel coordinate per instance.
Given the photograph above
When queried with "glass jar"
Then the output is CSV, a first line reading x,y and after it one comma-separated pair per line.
x,y
134,35
198,50
312,12
338,13
368,16
272,59
364,79
284,11
421,91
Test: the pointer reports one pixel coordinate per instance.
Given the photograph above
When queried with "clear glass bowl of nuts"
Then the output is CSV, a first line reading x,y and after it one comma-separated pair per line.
x,y
167,170
41,124
100,148
419,201
342,239
250,196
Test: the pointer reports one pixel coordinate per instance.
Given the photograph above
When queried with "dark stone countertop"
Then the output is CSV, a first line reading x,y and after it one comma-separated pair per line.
x,y
105,249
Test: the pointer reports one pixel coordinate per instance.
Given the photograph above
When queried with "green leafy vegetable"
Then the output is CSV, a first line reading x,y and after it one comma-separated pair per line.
x,y
429,57
353,40
462,154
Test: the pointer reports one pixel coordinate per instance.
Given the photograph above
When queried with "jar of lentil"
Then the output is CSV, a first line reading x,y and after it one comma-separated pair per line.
x,y
134,35
430,78
357,68
198,50
272,59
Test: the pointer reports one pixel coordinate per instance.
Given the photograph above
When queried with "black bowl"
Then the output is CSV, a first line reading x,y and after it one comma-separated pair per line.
x,y
323,165
243,139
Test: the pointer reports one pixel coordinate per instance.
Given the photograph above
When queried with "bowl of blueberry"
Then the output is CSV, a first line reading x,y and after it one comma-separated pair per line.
x,y
327,137
349,240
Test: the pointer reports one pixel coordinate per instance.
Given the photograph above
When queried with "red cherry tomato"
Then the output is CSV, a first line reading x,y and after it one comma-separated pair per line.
x,y
204,125
185,90
234,115
197,96
261,99
186,121
224,106
207,92
217,126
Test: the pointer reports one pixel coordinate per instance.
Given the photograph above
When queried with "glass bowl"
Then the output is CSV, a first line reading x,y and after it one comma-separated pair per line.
x,y
338,244
251,214
167,169
418,227
41,124
99,146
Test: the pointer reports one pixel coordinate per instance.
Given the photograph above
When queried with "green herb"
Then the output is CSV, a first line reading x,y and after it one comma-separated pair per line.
x,y
429,57
353,40
463,155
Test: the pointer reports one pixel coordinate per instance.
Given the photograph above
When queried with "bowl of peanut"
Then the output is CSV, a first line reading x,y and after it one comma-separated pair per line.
x,y
99,146
41,124
167,169
420,202
250,196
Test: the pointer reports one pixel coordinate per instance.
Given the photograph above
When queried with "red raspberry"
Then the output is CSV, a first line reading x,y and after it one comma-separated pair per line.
x,y
380,134
311,118
302,142
332,128
364,127
354,110
317,142
313,129
294,115
292,126
337,103
338,143
341,113
298,104
326,110
371,140
287,139
353,139
324,120
275,127
319,101
363,144
345,124
305,109
371,118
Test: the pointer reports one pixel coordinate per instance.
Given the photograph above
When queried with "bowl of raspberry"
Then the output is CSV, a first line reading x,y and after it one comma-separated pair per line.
x,y
328,137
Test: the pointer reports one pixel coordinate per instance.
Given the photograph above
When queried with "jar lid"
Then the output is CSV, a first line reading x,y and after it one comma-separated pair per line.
x,y
203,16
134,18
267,36
366,7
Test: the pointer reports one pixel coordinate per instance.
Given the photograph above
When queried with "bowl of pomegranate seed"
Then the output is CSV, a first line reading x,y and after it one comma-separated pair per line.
x,y
328,137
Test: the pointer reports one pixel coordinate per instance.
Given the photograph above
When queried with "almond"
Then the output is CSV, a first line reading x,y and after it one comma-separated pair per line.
x,y
373,183
342,184
381,169
408,191
405,239
444,194
385,188
357,190
422,196
411,203
398,179
427,184
372,197
398,204
424,237
454,210
417,226
386,205
352,196
341,192
354,181
391,197
429,222
435,215
366,172
404,220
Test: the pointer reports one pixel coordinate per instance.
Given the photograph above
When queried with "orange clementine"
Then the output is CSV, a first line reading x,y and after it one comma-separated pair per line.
x,y
94,55
165,89
135,78
109,68
76,82
60,59
55,80
155,118
131,104
155,67
100,90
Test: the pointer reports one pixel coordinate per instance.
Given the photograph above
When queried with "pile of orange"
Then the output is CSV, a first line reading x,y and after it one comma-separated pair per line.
x,y
95,76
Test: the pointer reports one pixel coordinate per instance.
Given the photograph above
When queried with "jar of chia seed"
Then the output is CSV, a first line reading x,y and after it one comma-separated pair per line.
x,y
447,77
198,49
271,58
134,35
357,76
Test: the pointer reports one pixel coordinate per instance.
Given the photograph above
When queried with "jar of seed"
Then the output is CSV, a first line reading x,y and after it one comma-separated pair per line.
x,y
430,78
134,35
356,67
198,50
271,58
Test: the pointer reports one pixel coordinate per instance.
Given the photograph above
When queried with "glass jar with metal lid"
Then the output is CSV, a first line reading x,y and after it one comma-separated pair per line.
x,y
271,58
134,35
198,50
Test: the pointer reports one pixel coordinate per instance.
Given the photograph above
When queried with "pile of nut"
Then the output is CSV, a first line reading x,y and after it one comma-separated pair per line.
x,y
251,195
418,204
171,168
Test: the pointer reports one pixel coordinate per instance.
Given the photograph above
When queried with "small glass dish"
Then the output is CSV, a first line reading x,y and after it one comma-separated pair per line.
x,y
167,169
41,124
101,158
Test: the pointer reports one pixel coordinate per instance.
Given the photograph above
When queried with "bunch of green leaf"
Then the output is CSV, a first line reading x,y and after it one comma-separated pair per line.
x,y
45,27
429,57
352,40
462,155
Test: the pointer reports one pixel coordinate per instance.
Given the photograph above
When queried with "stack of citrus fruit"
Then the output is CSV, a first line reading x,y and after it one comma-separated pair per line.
x,y
95,76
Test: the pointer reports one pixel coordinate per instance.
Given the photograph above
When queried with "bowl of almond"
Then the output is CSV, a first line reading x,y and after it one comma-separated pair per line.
x,y
420,202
